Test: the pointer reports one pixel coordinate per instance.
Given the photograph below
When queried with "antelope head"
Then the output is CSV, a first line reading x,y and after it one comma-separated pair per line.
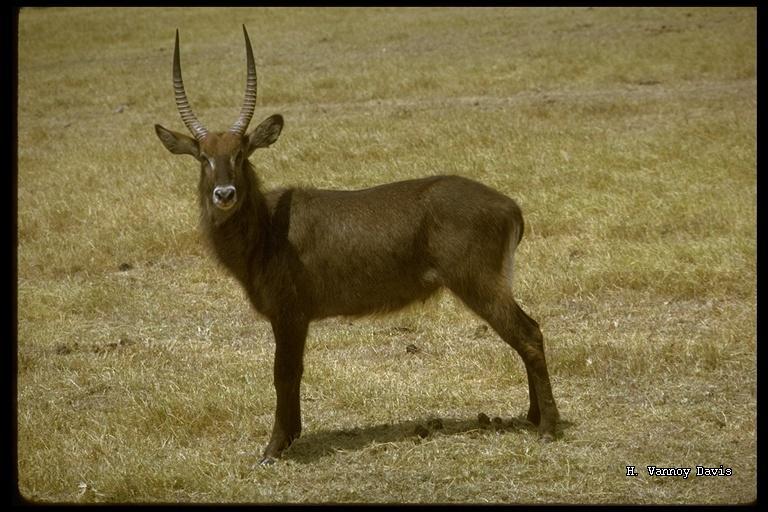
x,y
223,156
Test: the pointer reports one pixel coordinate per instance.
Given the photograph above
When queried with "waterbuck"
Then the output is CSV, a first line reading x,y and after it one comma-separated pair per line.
x,y
303,254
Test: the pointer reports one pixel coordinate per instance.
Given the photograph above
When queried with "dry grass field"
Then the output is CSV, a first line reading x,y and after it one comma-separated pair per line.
x,y
628,137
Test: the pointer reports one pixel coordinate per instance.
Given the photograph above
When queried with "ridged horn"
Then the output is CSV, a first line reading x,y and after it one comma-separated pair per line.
x,y
194,126
249,103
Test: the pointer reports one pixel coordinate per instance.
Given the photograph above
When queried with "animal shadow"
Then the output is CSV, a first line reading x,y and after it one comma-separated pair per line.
x,y
315,445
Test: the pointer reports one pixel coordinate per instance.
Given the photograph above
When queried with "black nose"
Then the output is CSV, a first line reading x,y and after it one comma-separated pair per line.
x,y
224,194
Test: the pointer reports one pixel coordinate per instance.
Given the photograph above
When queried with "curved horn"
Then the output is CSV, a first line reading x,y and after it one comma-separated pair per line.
x,y
194,126
249,103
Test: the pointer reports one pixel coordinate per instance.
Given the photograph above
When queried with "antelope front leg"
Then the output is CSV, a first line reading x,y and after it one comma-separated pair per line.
x,y
290,336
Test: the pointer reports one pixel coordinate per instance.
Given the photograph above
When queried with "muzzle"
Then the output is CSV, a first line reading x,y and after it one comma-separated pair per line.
x,y
225,197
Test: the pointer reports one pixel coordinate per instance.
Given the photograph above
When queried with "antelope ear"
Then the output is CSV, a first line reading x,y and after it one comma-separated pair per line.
x,y
177,143
265,134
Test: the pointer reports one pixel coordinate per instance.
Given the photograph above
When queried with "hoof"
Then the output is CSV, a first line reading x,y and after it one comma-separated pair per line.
x,y
267,461
546,438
